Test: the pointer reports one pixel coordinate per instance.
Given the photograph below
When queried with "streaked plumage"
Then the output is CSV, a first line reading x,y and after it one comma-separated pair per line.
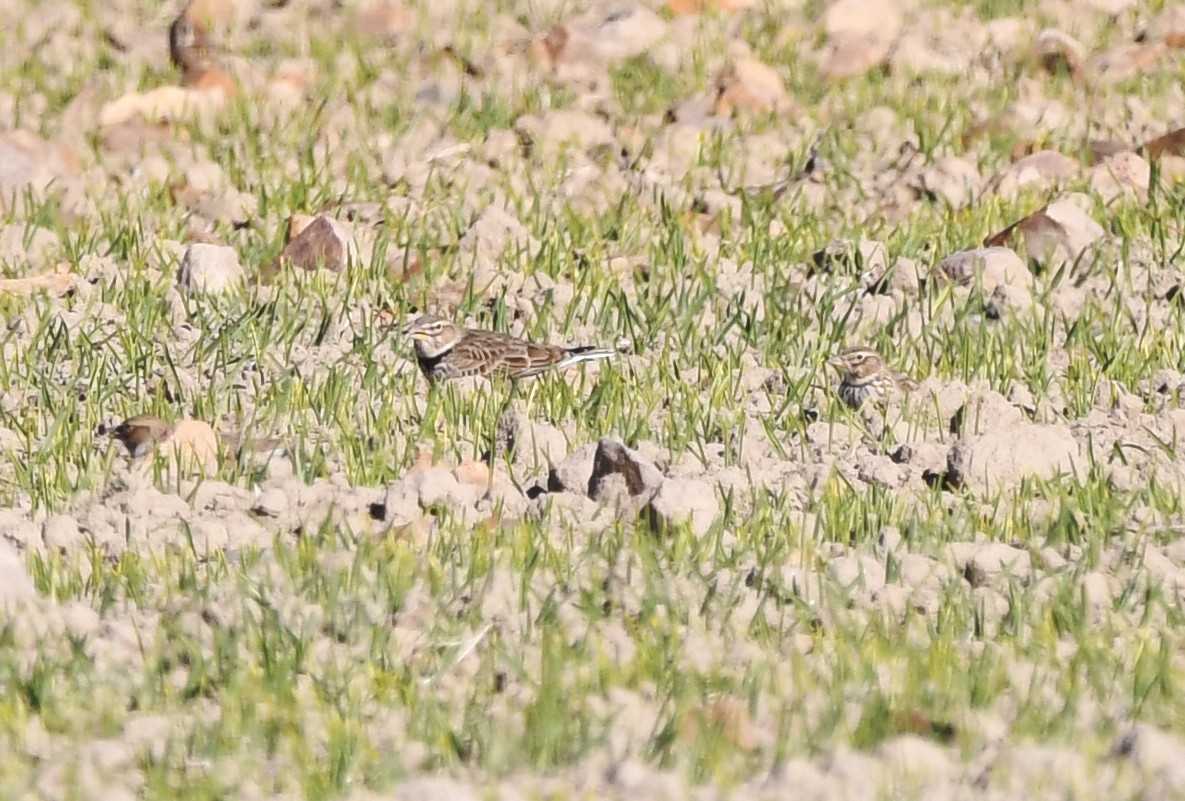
x,y
865,376
445,351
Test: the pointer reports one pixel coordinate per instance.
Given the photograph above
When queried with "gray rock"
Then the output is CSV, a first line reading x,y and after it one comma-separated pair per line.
x,y
15,583
991,267
1003,458
533,447
574,472
989,560
682,501
437,486
984,411
212,269
1007,299
61,532
272,502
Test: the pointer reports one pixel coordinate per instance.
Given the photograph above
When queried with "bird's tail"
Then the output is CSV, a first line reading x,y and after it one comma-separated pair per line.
x,y
585,353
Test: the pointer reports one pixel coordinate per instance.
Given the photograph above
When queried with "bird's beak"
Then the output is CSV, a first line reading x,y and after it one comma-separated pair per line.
x,y
836,361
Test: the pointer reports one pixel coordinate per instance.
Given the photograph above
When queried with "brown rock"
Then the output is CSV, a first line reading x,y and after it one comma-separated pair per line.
x,y
1059,231
724,718
322,242
622,474
1168,26
59,282
1170,144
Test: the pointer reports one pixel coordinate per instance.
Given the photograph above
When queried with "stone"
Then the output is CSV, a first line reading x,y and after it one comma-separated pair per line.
x,y
27,160
987,561
382,19
1008,300
573,473
193,446
163,103
990,267
212,269
1058,52
322,242
1003,458
272,502
62,533
849,19
749,85
554,132
531,446
606,35
15,583
437,486
684,501
1060,232
621,475
1036,171
1124,174
952,179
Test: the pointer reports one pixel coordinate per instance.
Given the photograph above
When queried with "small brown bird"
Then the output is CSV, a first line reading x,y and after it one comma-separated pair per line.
x,y
141,433
865,376
446,351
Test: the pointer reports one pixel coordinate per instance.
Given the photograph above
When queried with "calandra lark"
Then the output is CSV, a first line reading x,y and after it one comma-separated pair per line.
x,y
446,351
866,377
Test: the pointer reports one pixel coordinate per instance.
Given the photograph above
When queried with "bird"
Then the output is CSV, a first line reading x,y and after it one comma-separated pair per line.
x,y
141,434
445,351
865,376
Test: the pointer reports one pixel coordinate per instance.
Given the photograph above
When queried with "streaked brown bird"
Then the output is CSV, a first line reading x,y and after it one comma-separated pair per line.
x,y
865,377
445,350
